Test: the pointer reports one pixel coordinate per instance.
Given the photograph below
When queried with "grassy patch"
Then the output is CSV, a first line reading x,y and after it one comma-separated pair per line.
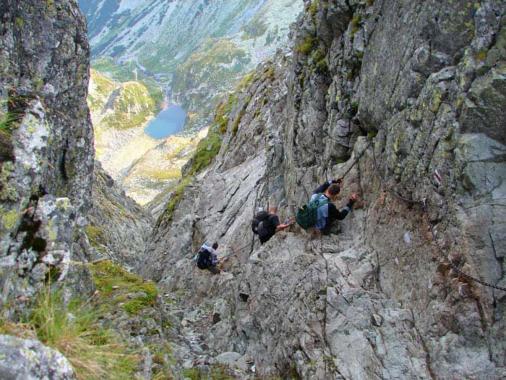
x,y
217,372
9,121
132,107
162,355
207,149
481,55
313,8
269,73
95,236
102,87
164,175
355,24
319,60
372,134
19,22
120,73
221,57
95,352
222,114
76,328
21,330
237,121
121,288
8,193
246,81
9,219
177,195
306,46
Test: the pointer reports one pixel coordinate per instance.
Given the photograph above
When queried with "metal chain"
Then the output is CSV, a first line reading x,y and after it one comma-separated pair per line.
x,y
457,269
390,189
423,205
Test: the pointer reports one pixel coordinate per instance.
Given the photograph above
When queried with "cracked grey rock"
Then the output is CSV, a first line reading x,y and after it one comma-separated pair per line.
x,y
22,359
362,303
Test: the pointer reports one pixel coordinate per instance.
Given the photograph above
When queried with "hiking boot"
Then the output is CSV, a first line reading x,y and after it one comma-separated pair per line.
x,y
334,229
315,234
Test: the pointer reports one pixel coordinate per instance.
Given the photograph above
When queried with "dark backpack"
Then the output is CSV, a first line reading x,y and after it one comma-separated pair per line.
x,y
266,228
307,215
204,259
259,218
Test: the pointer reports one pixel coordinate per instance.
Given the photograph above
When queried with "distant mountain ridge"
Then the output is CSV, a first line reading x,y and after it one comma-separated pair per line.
x,y
159,34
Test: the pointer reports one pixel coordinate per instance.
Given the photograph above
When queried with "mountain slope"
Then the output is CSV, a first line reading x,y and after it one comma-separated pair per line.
x,y
391,90
160,34
46,144
194,51
197,50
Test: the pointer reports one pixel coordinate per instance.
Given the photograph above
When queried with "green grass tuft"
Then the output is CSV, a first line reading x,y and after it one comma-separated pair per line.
x,y
177,195
94,351
245,81
306,46
76,328
237,121
319,60
313,8
207,149
355,24
132,107
95,236
222,114
371,134
481,55
9,121
122,288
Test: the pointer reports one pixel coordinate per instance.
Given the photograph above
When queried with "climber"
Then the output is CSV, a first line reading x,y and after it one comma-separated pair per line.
x,y
321,212
266,224
207,258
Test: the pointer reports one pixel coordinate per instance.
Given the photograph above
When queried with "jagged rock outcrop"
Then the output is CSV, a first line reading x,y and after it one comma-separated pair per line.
x,y
118,227
30,360
381,299
108,322
47,141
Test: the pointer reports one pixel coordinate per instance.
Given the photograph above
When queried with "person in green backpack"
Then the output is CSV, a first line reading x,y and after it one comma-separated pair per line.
x,y
321,212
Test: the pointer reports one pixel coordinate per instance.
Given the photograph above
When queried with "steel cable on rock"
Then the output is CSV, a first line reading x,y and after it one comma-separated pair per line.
x,y
457,269
424,208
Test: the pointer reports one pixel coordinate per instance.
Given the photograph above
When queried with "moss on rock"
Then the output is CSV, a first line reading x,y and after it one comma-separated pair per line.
x,y
95,236
10,219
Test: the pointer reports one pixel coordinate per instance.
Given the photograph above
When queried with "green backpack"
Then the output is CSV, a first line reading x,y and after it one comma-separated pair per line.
x,y
307,215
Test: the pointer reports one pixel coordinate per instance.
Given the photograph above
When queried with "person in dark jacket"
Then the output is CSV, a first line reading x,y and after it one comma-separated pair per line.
x,y
266,224
207,258
328,213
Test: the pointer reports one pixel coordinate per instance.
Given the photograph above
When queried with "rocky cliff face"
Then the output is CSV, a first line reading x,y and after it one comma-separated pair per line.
x,y
414,91
118,227
47,141
97,314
